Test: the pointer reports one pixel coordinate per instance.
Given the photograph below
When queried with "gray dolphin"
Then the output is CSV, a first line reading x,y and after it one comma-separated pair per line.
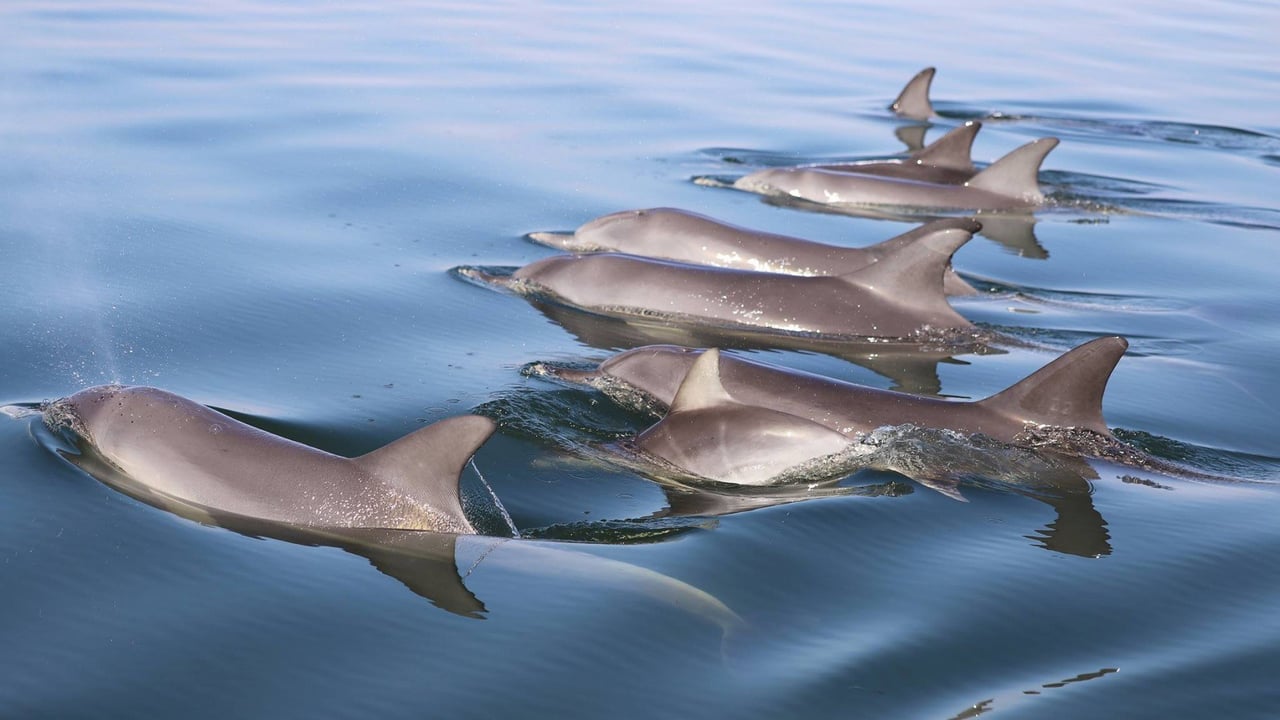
x,y
709,434
672,234
126,435
911,366
184,452
1065,393
913,101
900,296
1010,183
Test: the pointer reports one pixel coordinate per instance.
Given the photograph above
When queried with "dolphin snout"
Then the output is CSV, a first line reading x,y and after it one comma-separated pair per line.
x,y
560,372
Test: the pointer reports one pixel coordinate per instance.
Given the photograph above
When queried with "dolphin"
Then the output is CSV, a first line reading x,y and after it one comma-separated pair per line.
x,y
672,234
712,436
1065,393
1010,183
909,366
913,102
900,296
178,449
117,428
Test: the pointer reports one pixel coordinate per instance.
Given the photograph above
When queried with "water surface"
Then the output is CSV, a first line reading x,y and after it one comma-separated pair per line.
x,y
256,204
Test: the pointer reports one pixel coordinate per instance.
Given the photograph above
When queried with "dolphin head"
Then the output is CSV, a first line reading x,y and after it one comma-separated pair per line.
x,y
86,410
764,182
655,370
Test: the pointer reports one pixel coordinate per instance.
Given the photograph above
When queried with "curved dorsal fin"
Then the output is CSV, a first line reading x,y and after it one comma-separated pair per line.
x,y
952,284
425,464
701,387
913,269
1068,391
913,101
951,151
1017,174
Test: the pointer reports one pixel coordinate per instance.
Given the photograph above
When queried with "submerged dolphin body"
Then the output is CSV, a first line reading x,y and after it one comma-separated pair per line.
x,y
1065,393
1010,183
900,296
183,451
671,234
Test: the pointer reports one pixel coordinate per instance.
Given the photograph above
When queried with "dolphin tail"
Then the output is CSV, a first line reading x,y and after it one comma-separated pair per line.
x,y
952,284
913,101
1017,174
1068,391
913,272
952,151
425,465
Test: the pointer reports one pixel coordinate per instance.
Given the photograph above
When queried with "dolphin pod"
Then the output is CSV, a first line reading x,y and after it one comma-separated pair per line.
x,y
671,234
900,296
727,419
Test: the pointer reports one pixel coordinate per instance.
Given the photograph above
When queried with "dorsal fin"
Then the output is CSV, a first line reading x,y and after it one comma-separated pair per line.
x,y
951,151
912,274
952,284
913,101
1017,174
425,464
701,387
897,242
1068,391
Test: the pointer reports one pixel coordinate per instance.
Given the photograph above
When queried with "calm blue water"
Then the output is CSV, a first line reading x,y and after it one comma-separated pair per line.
x,y
255,205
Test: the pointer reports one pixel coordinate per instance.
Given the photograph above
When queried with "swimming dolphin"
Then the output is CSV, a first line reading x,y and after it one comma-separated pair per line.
x,y
1010,183
911,366
672,234
913,101
1065,393
900,296
709,434
177,449
114,431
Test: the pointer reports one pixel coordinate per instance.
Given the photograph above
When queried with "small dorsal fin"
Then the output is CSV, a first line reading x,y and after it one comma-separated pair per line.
x,y
1068,391
425,465
951,151
913,101
913,272
1017,174
701,387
